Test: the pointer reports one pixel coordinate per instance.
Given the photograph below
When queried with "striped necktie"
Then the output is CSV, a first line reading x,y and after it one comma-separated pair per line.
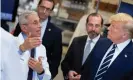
x,y
105,65
30,72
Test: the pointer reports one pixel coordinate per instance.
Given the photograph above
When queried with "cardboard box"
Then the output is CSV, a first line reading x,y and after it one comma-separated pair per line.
x,y
75,14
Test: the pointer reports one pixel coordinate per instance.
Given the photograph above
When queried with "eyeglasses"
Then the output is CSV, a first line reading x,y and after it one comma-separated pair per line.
x,y
45,8
34,23
93,25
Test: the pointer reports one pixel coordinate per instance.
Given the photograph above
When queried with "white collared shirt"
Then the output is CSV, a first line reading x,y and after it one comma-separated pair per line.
x,y
43,27
118,50
93,43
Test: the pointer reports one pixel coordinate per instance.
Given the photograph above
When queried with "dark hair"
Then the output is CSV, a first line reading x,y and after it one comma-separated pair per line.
x,y
17,30
49,1
94,14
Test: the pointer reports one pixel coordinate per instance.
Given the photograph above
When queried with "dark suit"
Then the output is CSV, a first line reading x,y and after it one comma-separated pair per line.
x,y
120,69
74,56
52,40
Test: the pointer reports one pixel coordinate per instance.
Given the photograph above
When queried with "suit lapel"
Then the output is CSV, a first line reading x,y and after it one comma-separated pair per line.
x,y
123,58
98,42
47,32
82,45
97,55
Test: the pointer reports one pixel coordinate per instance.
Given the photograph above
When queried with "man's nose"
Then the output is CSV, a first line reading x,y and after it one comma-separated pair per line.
x,y
44,10
108,28
93,28
39,25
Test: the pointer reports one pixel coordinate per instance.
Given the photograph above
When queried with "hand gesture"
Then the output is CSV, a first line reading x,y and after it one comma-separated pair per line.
x,y
36,65
30,42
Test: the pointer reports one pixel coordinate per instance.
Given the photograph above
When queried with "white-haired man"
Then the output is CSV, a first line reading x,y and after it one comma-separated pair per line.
x,y
35,65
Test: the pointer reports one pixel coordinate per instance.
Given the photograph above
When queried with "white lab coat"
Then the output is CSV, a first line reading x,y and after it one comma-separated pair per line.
x,y
40,51
10,67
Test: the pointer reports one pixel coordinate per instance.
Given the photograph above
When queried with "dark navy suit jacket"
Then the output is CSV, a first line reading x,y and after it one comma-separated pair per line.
x,y
74,56
120,69
52,40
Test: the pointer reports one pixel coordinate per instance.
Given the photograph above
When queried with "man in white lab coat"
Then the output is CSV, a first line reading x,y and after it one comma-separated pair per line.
x,y
10,67
35,66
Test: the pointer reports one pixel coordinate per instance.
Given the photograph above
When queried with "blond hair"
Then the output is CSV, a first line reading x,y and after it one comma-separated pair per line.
x,y
129,28
127,21
121,17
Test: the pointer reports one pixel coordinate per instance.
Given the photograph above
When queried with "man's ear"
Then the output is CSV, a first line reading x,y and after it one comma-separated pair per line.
x,y
24,28
126,34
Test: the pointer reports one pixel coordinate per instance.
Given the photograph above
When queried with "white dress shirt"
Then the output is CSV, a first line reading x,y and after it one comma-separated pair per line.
x,y
10,66
118,50
43,27
93,43
40,51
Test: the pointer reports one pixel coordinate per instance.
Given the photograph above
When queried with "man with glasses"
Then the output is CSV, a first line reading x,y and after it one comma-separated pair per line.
x,y
50,34
81,47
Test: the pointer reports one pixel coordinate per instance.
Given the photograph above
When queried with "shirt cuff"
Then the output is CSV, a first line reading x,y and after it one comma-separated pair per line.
x,y
20,52
40,76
